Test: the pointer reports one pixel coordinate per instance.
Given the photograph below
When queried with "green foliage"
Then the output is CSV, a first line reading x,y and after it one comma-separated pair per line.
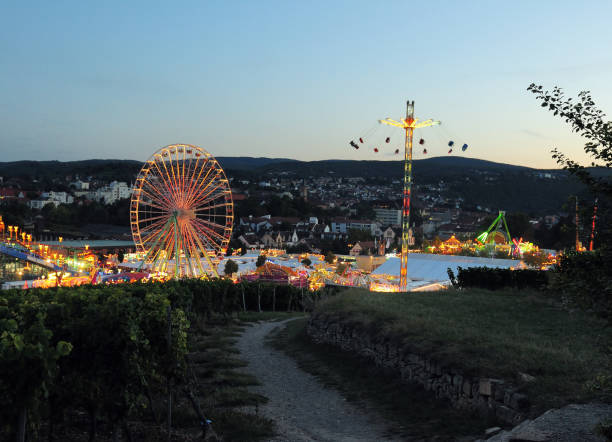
x,y
355,235
286,207
307,262
330,258
588,121
88,213
583,279
230,267
604,429
535,260
29,356
101,348
48,172
105,349
497,278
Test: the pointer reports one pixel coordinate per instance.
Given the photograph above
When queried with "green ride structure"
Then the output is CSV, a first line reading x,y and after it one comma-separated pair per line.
x,y
497,233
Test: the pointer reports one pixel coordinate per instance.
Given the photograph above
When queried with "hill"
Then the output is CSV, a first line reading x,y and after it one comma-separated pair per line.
x,y
478,182
120,170
351,168
249,163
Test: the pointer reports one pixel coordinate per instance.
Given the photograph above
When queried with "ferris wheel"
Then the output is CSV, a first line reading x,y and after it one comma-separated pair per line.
x,y
181,211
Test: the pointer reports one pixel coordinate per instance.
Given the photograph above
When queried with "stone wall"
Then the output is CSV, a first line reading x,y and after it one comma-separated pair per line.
x,y
490,397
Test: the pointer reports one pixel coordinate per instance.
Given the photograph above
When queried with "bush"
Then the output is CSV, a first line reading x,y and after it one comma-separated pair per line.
x,y
584,279
496,278
99,348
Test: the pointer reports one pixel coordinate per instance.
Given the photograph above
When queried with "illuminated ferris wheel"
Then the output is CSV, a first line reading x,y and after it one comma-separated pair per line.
x,y
181,211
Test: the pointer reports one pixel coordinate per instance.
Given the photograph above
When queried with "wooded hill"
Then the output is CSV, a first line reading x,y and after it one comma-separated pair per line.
x,y
478,182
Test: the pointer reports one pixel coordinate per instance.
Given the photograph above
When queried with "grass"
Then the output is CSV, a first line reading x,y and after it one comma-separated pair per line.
x,y
413,412
494,334
219,388
267,316
238,397
239,426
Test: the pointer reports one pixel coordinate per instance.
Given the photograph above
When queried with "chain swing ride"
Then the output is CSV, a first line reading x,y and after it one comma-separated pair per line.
x,y
380,139
408,124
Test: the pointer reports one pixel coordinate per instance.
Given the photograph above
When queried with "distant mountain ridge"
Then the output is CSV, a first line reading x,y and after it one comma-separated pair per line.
x,y
246,163
84,168
443,165
369,168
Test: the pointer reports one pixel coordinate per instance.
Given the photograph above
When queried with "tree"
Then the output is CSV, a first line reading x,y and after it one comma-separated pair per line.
x,y
230,268
306,262
588,121
355,235
330,258
261,260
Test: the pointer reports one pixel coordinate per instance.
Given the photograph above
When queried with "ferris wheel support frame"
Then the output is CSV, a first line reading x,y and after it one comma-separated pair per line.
x,y
182,209
409,124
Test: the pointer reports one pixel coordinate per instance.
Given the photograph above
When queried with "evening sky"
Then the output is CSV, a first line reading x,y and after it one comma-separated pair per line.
x,y
291,79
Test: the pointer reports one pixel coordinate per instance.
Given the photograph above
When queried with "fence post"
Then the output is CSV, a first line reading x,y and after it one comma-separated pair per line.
x,y
243,300
169,429
259,297
21,430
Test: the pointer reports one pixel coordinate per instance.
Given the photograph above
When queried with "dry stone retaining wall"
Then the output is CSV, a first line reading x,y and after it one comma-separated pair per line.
x,y
490,397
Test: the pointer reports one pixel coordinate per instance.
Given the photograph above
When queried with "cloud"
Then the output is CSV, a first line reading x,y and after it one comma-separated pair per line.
x,y
534,134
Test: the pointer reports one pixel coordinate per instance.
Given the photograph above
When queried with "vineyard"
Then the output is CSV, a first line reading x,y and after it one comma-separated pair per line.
x,y
108,353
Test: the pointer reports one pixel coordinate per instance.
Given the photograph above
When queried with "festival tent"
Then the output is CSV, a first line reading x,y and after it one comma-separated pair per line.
x,y
430,267
246,264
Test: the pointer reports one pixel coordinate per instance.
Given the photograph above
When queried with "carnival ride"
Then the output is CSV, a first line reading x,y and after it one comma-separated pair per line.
x,y
408,124
497,232
498,237
58,265
277,274
592,236
181,212
347,276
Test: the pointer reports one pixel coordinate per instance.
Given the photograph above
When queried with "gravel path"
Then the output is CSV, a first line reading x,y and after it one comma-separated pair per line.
x,y
303,409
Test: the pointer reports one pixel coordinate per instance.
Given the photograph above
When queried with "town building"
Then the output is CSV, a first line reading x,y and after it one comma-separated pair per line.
x,y
387,216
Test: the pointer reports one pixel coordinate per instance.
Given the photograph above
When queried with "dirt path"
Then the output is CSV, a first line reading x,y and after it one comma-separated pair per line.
x,y
303,408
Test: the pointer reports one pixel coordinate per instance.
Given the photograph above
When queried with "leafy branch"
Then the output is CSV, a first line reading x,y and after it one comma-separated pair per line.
x,y
587,120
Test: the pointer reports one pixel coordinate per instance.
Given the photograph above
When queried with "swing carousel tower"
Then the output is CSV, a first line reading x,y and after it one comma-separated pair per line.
x,y
409,124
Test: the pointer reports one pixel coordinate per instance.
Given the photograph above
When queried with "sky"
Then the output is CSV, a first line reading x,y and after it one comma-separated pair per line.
x,y
290,79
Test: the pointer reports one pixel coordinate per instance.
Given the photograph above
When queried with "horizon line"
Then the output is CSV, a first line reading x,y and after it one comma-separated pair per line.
x,y
304,161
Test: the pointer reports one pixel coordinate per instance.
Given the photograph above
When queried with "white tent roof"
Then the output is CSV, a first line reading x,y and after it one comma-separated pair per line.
x,y
430,267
